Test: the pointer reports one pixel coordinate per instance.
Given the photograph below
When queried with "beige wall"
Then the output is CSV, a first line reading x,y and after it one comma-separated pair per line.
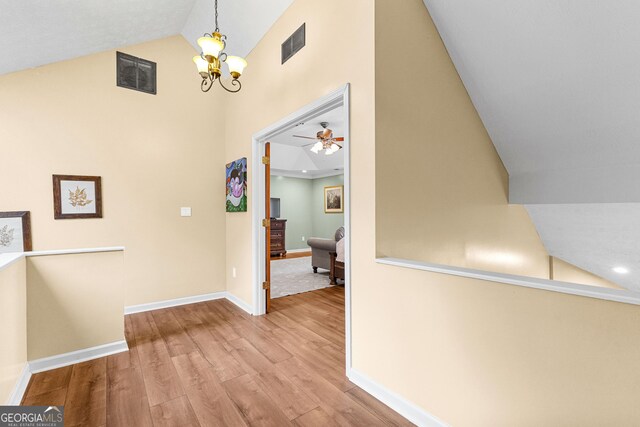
x,y
13,326
566,272
473,352
74,302
442,191
154,153
272,90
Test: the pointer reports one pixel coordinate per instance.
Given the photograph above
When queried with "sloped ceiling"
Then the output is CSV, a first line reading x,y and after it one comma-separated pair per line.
x,y
39,32
556,84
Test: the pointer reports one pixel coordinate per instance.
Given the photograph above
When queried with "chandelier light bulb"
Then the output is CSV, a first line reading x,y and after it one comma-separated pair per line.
x,y
211,46
236,65
202,64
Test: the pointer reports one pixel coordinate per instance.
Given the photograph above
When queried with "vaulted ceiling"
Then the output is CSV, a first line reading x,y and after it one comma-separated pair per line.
x,y
554,81
39,32
556,84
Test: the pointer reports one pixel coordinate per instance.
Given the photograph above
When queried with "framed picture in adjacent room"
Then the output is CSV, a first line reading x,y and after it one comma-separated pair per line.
x,y
77,196
15,231
334,199
236,175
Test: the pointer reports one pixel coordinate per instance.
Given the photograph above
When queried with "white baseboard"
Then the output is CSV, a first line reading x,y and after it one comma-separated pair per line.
x,y
15,398
295,251
131,309
66,359
407,409
237,301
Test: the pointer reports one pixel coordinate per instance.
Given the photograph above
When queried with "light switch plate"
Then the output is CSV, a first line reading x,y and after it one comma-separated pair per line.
x,y
185,211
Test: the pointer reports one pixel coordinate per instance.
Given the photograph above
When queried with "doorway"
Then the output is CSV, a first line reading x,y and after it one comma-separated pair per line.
x,y
261,258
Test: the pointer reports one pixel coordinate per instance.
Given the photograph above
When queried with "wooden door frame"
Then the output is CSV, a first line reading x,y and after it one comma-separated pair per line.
x,y
336,99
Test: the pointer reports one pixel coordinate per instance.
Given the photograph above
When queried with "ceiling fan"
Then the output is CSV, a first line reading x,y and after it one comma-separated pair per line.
x,y
325,140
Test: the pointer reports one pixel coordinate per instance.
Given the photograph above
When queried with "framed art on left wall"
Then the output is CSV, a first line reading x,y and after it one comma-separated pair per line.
x,y
15,231
76,196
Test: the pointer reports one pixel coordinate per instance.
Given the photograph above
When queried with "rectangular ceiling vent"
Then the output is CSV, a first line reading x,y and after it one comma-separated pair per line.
x,y
293,44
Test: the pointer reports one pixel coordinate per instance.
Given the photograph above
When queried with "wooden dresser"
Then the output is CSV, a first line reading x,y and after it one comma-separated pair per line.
x,y
278,229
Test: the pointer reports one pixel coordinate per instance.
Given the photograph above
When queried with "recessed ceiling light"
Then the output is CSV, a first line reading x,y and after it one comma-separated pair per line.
x,y
621,270
304,171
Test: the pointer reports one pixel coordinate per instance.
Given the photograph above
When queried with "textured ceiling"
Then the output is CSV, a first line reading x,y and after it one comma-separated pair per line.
x,y
39,32
557,87
594,237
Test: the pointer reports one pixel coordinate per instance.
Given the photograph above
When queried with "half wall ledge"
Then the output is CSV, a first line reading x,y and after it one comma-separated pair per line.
x,y
623,296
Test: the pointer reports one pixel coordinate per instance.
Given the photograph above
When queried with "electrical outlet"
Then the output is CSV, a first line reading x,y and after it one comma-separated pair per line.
x,y
303,238
185,211
233,272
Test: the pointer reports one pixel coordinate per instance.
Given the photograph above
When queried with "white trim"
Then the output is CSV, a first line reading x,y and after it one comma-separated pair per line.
x,y
74,251
240,303
337,98
131,309
624,296
158,305
66,359
409,410
297,251
6,259
15,398
311,175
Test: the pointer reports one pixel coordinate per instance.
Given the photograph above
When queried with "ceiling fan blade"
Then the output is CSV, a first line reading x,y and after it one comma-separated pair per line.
x,y
340,138
307,145
305,137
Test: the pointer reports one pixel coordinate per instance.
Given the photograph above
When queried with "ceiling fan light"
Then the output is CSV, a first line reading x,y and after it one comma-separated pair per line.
x,y
202,64
211,46
236,65
316,147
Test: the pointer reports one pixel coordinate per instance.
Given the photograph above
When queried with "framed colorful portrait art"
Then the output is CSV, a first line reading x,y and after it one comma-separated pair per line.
x,y
236,175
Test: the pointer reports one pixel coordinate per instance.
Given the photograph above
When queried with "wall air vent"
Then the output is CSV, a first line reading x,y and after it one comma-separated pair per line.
x,y
136,73
293,44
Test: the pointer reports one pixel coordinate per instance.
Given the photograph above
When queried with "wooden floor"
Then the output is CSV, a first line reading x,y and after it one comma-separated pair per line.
x,y
291,255
211,364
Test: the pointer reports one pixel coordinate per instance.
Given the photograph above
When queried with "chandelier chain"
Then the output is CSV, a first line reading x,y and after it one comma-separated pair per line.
x,y
216,9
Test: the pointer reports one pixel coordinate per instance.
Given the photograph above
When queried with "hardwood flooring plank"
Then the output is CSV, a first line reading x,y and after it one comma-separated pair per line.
x,y
175,337
160,378
224,364
86,403
255,406
44,382
176,412
208,399
379,409
127,402
55,397
316,418
292,401
339,406
315,360
251,360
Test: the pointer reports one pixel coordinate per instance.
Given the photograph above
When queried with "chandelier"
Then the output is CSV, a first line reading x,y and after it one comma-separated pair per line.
x,y
209,62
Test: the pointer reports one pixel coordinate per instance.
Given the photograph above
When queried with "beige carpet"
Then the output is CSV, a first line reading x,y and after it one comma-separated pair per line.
x,y
294,276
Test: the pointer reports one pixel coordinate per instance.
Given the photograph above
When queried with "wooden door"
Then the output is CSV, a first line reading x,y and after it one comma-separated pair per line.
x,y
267,229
